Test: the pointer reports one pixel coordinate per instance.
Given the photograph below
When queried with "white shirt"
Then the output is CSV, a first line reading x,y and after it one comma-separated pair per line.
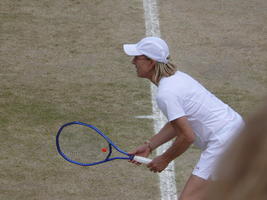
x,y
180,95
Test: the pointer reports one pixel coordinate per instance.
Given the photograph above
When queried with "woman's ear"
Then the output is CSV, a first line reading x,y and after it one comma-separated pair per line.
x,y
153,63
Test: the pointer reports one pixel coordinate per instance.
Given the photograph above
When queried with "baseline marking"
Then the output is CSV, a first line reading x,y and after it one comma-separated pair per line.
x,y
166,177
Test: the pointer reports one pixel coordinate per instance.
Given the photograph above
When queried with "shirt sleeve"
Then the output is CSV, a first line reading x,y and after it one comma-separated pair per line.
x,y
170,105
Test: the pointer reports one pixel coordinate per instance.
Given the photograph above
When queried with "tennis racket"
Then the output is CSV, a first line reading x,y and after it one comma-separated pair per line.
x,y
85,145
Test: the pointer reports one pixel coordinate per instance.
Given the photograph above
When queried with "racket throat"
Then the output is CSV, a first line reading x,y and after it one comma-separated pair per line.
x,y
131,157
110,152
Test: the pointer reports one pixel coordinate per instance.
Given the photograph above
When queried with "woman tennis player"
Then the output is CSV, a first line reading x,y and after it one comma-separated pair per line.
x,y
194,115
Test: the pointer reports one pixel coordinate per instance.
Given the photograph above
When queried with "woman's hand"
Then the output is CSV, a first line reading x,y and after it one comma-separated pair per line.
x,y
158,164
143,150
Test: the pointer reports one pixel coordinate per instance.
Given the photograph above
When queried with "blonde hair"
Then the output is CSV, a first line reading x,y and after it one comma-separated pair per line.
x,y
241,174
164,70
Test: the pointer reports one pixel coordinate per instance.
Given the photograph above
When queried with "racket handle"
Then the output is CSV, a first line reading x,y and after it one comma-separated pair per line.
x,y
142,160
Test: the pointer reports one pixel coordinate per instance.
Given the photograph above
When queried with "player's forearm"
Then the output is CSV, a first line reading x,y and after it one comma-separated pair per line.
x,y
179,146
165,134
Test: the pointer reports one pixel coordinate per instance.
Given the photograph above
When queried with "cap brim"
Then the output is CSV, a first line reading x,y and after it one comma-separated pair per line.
x,y
131,50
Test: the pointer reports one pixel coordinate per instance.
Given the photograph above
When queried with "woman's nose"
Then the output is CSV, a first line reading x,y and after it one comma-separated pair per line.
x,y
133,61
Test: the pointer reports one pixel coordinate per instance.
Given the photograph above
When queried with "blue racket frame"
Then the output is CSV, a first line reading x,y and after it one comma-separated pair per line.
x,y
111,144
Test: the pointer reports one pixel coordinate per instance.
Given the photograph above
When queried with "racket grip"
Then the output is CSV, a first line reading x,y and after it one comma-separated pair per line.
x,y
142,160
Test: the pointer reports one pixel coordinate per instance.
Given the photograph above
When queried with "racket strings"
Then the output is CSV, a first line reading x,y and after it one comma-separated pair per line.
x,y
84,145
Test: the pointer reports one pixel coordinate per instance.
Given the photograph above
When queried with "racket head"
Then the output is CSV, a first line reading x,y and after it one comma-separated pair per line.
x,y
85,145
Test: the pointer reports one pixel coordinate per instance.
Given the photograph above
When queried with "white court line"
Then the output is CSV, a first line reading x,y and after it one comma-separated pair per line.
x,y
167,177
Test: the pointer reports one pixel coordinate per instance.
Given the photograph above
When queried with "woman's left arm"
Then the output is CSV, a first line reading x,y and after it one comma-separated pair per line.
x,y
182,142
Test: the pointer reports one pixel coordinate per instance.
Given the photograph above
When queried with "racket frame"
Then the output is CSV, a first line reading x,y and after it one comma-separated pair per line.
x,y
111,145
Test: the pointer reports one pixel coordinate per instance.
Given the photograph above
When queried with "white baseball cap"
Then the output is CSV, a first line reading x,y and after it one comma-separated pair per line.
x,y
152,47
